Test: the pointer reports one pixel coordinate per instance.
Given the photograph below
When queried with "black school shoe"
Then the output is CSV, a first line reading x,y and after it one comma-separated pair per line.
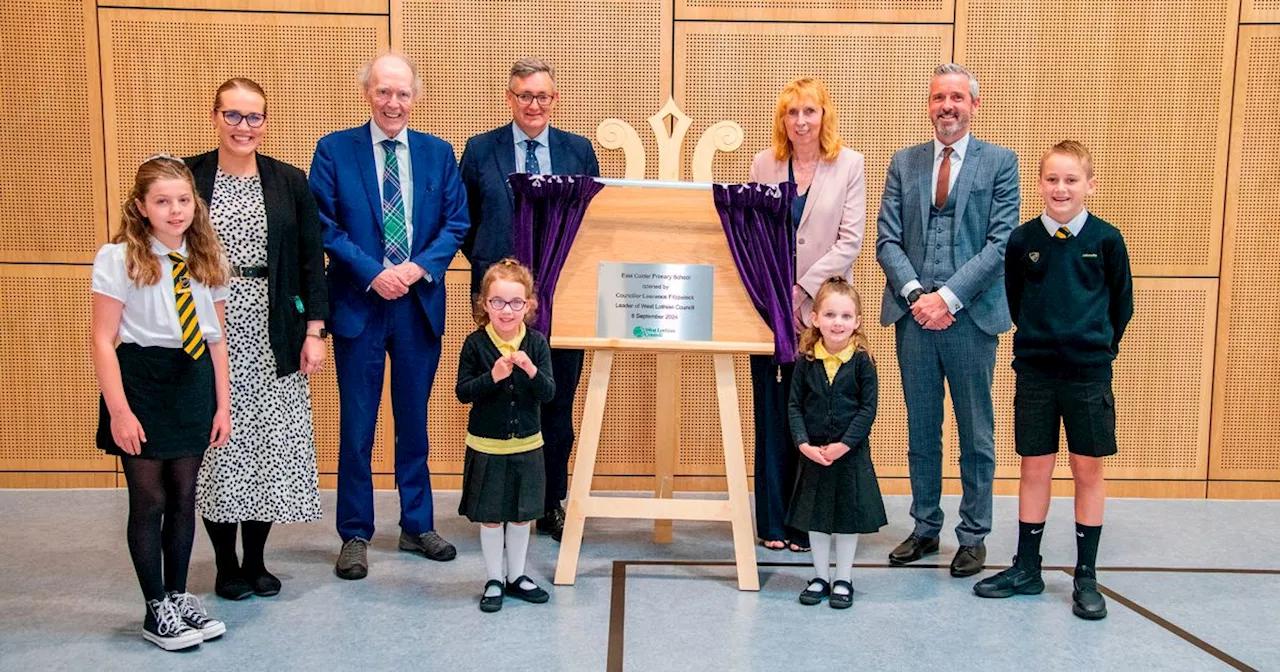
x,y
491,604
1017,580
535,594
838,601
812,597
231,586
1086,601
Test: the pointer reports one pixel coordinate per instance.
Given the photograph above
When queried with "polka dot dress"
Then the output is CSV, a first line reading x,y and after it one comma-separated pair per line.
x,y
267,470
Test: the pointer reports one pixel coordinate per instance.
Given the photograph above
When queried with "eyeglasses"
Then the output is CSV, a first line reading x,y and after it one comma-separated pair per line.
x,y
383,95
527,99
233,118
498,303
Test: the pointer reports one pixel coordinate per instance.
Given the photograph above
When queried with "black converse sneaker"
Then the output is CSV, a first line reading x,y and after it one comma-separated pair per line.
x,y
194,615
165,628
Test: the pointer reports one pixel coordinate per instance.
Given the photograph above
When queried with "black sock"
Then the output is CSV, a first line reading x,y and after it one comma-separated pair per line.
x,y
255,540
223,536
1029,536
1087,545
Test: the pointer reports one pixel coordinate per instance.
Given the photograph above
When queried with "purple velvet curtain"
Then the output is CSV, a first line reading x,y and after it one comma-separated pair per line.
x,y
549,210
757,224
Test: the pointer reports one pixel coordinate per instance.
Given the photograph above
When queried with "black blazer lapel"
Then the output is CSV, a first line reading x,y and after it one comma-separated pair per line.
x,y
504,148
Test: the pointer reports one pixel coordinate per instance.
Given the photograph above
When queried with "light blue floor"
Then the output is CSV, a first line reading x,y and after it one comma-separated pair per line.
x,y
69,599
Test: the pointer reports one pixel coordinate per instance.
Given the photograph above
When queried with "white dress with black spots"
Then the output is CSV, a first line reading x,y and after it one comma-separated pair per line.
x,y
267,470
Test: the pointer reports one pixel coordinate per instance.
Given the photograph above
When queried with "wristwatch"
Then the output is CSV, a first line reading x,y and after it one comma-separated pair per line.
x,y
323,333
914,296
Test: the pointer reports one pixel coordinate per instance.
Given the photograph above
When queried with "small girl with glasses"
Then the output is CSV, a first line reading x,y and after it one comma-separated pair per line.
x,y
504,372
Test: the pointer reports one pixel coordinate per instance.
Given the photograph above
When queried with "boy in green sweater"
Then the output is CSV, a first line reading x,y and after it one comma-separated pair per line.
x,y
1070,296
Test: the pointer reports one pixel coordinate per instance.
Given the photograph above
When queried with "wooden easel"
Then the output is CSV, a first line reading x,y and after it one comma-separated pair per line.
x,y
673,223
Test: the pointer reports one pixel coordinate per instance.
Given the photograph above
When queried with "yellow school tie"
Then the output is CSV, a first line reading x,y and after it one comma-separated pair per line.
x,y
192,339
1063,233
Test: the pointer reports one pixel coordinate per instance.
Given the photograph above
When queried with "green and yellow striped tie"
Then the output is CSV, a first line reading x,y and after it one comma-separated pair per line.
x,y
1063,233
192,339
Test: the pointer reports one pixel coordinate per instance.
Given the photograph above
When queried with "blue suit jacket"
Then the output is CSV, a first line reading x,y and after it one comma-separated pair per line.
x,y
487,160
987,197
344,180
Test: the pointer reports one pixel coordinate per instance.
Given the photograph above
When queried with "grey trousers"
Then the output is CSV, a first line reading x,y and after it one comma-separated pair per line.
x,y
965,357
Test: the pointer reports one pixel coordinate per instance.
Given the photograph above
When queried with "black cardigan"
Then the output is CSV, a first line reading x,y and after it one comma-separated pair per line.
x,y
839,411
296,291
512,407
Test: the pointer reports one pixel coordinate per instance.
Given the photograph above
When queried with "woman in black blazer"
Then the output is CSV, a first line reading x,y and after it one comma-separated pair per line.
x,y
266,218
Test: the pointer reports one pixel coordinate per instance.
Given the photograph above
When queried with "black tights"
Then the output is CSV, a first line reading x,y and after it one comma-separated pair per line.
x,y
162,521
223,536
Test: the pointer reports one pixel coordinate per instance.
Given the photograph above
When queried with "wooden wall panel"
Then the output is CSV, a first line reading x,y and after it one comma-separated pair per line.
x,y
48,392
878,76
161,68
612,60
1260,11
1245,400
877,11
1146,86
52,205
303,6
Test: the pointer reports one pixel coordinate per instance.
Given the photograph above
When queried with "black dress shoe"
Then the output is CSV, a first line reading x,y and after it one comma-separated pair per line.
x,y
811,597
231,586
969,560
491,604
912,549
1017,580
535,594
1087,602
552,523
265,584
429,544
838,600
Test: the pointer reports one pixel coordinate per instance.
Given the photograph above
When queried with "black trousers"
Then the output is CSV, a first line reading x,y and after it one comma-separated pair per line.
x,y
776,453
557,423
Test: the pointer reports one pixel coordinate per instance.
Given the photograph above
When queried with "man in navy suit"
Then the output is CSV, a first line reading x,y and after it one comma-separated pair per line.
x,y
527,145
948,208
394,214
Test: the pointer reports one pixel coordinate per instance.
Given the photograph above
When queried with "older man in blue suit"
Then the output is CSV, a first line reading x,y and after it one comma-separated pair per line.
x,y
527,145
394,214
948,208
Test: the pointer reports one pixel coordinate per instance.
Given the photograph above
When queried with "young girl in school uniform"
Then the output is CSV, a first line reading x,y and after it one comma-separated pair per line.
x,y
833,403
504,372
158,290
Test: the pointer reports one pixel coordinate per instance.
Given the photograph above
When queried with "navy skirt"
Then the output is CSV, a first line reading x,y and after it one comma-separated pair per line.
x,y
172,396
503,488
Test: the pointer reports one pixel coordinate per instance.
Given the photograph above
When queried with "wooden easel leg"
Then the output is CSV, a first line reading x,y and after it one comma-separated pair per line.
x,y
735,471
584,467
667,437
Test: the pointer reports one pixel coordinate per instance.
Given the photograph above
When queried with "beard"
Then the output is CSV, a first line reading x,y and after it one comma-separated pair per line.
x,y
949,126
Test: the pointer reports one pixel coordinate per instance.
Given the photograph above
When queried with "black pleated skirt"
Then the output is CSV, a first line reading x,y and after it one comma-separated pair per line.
x,y
843,498
172,396
503,488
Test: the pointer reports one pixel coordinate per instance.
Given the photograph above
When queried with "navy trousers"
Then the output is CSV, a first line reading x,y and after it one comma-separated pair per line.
x,y
776,454
400,329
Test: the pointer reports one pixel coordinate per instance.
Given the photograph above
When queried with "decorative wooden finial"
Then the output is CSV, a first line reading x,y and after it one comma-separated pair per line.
x,y
725,136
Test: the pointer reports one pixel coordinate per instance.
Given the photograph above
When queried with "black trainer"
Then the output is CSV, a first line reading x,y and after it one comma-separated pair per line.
x,y
1017,580
194,615
1087,602
164,627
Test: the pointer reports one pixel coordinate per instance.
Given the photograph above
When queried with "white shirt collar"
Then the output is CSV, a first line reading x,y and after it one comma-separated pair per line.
x,y
521,136
958,148
160,249
378,136
1074,226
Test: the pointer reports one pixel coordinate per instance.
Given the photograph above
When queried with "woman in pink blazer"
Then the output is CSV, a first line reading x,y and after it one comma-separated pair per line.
x,y
829,214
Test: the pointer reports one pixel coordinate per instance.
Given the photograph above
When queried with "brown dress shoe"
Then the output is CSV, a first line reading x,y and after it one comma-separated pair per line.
x,y
912,549
353,561
968,561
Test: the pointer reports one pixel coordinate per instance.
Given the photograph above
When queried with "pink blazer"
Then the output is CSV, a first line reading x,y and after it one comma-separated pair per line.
x,y
834,219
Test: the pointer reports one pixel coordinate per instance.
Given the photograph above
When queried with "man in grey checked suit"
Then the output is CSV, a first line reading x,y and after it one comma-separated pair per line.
x,y
947,211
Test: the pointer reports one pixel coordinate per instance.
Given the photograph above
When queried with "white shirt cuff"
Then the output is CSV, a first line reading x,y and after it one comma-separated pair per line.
x,y
953,301
911,287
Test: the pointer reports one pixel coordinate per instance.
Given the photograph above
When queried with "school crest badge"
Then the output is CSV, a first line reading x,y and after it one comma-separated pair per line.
x,y
1033,256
